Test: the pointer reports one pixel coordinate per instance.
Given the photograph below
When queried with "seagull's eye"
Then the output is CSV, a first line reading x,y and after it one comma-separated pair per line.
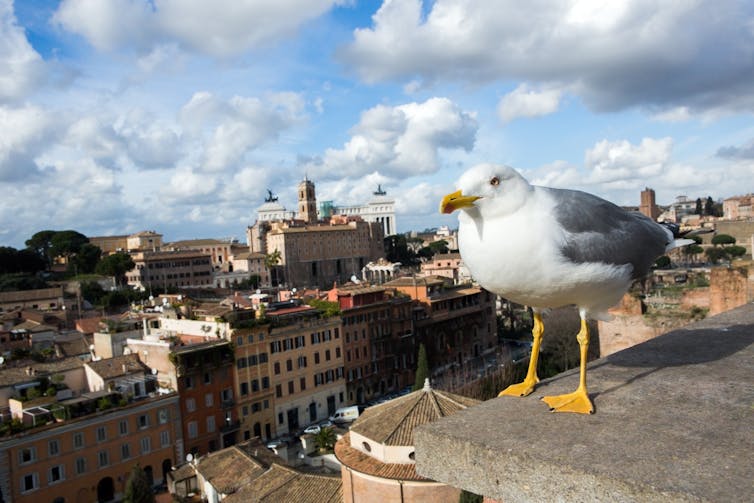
x,y
494,181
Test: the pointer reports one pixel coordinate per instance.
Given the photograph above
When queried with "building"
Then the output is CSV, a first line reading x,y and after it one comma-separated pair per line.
x,y
204,373
455,323
648,205
738,207
85,449
447,265
140,241
173,269
377,454
41,299
219,251
254,391
306,359
378,343
381,209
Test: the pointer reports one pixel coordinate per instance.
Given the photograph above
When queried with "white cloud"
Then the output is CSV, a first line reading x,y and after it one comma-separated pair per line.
x,y
24,133
620,161
221,28
400,141
21,68
616,55
526,102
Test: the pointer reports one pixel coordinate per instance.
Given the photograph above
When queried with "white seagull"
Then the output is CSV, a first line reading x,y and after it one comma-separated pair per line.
x,y
547,248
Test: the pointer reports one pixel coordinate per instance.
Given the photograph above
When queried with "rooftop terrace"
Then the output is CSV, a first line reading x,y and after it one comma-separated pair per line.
x,y
674,421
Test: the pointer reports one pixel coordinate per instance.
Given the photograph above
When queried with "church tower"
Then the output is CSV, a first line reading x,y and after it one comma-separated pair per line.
x,y
307,202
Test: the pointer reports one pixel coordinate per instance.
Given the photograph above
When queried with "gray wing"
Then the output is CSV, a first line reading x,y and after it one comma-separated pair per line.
x,y
599,231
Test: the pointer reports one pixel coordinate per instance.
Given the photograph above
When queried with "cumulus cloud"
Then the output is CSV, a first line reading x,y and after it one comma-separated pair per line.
x,y
230,129
400,141
221,28
615,162
526,102
21,67
616,55
24,133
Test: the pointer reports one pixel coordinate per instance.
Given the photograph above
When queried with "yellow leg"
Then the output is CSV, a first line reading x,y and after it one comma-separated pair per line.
x,y
527,386
578,401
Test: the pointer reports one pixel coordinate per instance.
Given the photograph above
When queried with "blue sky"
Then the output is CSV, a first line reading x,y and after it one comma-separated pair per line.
x,y
177,115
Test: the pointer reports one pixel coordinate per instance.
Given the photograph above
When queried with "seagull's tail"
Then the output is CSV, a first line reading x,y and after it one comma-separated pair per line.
x,y
678,237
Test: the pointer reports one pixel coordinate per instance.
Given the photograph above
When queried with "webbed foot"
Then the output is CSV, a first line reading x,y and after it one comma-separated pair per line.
x,y
521,389
578,402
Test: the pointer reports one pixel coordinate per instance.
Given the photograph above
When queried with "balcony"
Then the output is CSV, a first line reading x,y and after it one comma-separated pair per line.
x,y
673,422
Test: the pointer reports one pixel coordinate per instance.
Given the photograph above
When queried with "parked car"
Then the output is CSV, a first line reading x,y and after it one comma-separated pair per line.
x,y
345,414
313,429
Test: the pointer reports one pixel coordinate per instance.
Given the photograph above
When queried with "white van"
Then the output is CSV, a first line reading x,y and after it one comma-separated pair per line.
x,y
345,414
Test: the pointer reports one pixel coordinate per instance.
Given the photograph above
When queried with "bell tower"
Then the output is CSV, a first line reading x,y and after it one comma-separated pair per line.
x,y
307,201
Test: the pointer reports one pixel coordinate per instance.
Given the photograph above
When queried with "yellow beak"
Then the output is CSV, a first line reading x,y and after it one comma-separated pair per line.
x,y
456,201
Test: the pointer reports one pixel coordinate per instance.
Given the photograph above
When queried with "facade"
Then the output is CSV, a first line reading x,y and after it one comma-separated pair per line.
x,y
378,343
144,241
377,454
455,323
307,202
42,299
447,265
170,269
306,361
738,208
219,251
205,384
89,458
253,386
381,209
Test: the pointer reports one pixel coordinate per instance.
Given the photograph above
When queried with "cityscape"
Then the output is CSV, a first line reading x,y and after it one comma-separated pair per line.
x,y
226,273
199,352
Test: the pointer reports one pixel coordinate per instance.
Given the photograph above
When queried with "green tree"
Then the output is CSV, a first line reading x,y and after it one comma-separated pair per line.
x,y
13,261
662,262
92,291
21,281
325,439
723,239
271,260
422,368
709,207
66,243
138,487
698,210
40,243
397,249
715,254
116,265
86,260
735,251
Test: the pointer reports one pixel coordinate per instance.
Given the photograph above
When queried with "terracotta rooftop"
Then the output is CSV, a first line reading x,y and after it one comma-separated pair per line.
x,y
229,469
364,463
393,422
117,366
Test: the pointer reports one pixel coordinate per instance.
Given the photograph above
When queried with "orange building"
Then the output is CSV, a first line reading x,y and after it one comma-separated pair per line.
x,y
254,390
89,458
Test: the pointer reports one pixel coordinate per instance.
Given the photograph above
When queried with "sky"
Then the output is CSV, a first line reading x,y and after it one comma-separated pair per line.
x,y
118,116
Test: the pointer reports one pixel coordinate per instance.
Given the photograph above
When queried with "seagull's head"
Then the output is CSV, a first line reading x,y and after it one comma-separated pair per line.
x,y
488,189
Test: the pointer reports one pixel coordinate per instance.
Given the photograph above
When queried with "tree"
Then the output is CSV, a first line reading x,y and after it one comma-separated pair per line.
x,y
662,262
397,249
40,243
116,265
422,368
735,251
13,261
66,243
723,239
325,439
138,487
698,210
271,260
709,207
86,260
715,254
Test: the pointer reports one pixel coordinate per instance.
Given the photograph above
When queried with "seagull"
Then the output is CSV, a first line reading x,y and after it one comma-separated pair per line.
x,y
545,248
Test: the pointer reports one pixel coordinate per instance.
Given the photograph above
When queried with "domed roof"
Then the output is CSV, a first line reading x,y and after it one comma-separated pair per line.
x,y
392,423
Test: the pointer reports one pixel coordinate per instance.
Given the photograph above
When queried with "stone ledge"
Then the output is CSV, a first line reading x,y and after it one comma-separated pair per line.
x,y
674,421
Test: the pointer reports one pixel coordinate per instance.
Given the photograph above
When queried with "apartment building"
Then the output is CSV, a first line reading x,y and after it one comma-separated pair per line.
x,y
170,269
378,344
90,456
306,358
255,396
219,251
144,240
204,374
455,323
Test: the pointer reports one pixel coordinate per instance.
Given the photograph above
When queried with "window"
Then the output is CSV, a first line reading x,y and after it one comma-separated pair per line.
x,y
254,385
239,340
289,365
53,447
337,352
193,431
56,474
327,355
302,382
103,458
278,390
207,378
244,388
277,368
190,404
210,424
291,389
209,400
316,358
245,410
263,358
146,445
27,455
265,383
280,418
80,466
101,434
125,451
164,438
78,440
143,421
251,338
255,407
301,361
163,416
189,381
123,427
29,482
